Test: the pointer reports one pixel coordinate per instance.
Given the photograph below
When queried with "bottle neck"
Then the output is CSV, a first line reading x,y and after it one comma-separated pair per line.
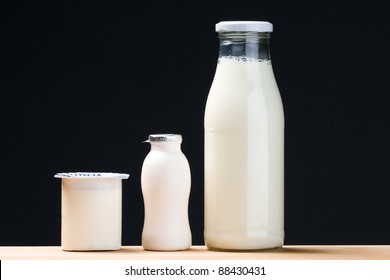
x,y
166,146
244,45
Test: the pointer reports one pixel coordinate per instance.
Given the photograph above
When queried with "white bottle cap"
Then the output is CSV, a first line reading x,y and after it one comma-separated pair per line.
x,y
165,138
244,26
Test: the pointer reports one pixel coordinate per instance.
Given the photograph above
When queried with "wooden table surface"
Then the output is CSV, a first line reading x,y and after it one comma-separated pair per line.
x,y
202,253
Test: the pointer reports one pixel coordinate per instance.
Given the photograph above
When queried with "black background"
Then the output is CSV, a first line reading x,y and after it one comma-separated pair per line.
x,y
82,85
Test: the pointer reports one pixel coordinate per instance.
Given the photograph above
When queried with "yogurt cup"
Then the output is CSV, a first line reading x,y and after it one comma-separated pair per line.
x,y
91,210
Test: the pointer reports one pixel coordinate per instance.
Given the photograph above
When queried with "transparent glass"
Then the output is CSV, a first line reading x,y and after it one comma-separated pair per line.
x,y
251,45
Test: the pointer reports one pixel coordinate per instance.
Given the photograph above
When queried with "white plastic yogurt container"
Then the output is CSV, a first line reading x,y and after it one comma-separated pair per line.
x,y
91,210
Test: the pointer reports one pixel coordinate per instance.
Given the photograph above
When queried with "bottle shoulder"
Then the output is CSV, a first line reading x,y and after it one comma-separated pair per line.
x,y
164,158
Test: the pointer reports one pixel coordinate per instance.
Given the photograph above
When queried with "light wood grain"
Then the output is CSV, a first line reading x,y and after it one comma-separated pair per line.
x,y
202,253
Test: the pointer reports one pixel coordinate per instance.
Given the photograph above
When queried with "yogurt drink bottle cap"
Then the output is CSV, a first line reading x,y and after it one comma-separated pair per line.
x,y
176,138
244,26
91,175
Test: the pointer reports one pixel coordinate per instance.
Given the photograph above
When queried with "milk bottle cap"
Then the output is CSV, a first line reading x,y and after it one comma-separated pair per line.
x,y
165,138
92,175
244,26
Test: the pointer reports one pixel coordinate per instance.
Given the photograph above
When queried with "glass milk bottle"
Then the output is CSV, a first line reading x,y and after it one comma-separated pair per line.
x,y
244,143
166,183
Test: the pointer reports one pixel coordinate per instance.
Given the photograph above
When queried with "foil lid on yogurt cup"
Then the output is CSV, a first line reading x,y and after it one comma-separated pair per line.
x,y
92,175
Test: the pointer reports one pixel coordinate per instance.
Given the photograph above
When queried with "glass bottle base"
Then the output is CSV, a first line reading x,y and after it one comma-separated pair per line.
x,y
230,242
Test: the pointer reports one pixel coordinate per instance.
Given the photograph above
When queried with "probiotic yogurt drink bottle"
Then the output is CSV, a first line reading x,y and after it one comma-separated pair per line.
x,y
166,184
244,143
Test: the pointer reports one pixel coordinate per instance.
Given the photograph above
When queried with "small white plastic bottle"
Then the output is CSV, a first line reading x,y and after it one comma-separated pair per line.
x,y
166,184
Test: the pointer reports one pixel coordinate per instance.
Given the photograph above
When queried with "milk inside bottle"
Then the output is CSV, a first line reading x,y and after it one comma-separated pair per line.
x,y
244,144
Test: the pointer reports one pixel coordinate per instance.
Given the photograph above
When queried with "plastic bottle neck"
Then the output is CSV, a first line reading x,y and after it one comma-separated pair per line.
x,y
166,146
244,45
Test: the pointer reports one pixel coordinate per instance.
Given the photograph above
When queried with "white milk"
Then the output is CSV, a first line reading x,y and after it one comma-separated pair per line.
x,y
91,212
166,184
244,157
